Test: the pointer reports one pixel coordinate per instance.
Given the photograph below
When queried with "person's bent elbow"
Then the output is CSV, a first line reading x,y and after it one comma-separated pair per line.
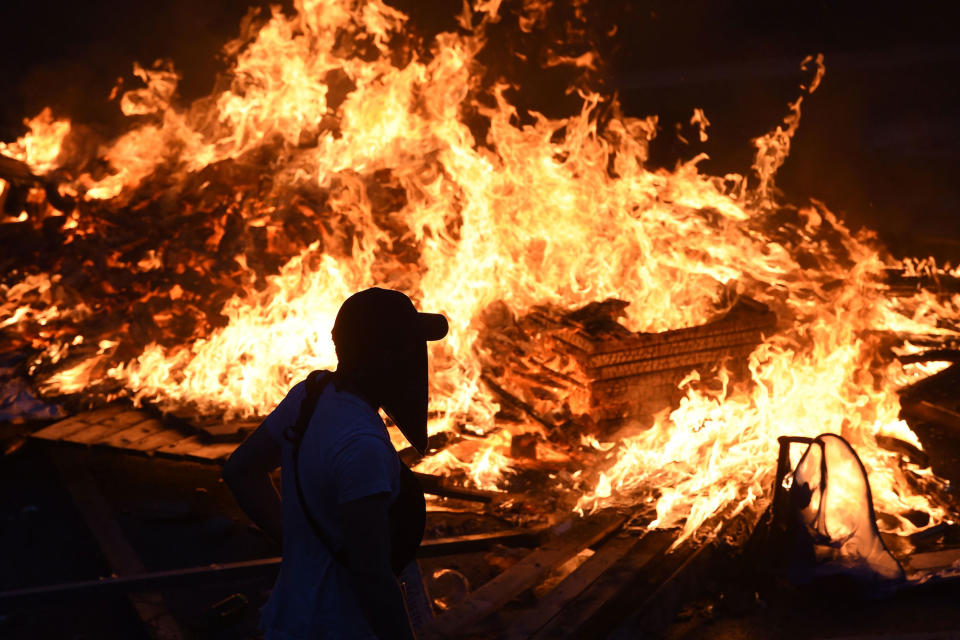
x,y
232,472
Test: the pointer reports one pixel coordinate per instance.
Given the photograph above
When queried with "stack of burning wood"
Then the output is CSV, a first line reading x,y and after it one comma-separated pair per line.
x,y
584,366
158,264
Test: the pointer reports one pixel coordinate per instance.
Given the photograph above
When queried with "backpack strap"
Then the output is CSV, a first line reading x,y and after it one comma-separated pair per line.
x,y
316,383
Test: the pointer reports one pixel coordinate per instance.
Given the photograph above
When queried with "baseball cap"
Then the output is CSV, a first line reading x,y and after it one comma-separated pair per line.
x,y
378,317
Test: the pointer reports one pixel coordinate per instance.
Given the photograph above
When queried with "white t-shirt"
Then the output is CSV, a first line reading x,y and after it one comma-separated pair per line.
x,y
345,454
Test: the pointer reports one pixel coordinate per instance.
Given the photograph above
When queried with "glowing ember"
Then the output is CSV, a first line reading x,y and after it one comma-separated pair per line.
x,y
333,100
40,147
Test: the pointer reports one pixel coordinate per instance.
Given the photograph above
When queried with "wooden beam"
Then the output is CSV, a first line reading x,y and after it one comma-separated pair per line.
x,y
528,537
596,609
523,575
440,486
127,438
570,587
939,380
120,555
933,560
686,569
118,585
930,412
65,428
103,428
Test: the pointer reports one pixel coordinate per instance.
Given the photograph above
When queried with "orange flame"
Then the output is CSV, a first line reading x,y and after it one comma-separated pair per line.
x,y
557,211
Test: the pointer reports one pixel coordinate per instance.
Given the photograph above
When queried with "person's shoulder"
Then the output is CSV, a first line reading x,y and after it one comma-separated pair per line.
x,y
354,409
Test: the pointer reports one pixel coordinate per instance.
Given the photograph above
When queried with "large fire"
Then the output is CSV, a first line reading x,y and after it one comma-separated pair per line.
x,y
377,145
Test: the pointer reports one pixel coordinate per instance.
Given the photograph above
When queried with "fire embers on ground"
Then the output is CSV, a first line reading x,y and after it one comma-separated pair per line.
x,y
204,251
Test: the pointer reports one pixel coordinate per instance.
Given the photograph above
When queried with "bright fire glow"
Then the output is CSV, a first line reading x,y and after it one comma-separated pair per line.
x,y
557,211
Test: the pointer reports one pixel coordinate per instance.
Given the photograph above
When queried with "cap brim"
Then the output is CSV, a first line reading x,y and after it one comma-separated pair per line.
x,y
433,326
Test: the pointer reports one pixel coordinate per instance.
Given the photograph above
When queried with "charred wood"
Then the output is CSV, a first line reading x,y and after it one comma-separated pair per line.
x,y
483,602
560,366
931,412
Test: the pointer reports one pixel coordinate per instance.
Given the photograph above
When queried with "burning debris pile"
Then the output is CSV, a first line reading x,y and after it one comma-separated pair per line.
x,y
196,261
557,366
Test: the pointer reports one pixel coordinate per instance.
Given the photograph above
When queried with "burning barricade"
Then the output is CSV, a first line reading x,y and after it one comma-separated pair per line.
x,y
645,335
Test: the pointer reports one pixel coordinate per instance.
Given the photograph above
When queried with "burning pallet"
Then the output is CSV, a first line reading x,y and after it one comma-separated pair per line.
x,y
584,363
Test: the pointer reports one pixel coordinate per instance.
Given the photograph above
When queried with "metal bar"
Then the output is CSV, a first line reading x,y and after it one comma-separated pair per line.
x,y
243,570
530,537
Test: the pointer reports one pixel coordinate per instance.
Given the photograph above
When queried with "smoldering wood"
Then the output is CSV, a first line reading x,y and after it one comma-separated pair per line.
x,y
911,453
410,456
898,283
156,269
13,170
931,412
940,383
556,366
931,355
440,486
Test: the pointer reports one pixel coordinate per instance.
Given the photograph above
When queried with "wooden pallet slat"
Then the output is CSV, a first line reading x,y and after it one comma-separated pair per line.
x,y
570,587
676,361
119,553
923,410
212,451
127,438
64,428
105,428
629,353
589,363
523,575
180,447
163,437
578,617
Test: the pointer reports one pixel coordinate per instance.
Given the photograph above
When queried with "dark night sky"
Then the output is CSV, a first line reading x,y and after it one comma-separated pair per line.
x,y
879,142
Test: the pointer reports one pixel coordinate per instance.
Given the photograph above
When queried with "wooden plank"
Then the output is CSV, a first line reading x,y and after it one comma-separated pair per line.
x,y
107,427
932,413
163,437
181,447
577,616
116,585
523,575
948,378
120,555
690,360
682,578
933,560
570,587
129,437
436,547
213,452
439,486
233,432
669,349
73,424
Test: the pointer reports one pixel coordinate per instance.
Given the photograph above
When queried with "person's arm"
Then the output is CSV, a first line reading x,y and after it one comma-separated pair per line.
x,y
247,474
366,554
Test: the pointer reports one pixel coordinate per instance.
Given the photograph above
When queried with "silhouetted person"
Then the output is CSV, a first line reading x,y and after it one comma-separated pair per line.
x,y
341,475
